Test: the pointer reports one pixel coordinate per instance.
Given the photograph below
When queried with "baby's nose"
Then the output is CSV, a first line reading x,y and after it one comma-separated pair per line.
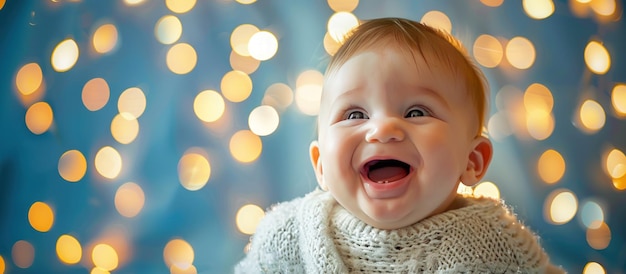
x,y
385,130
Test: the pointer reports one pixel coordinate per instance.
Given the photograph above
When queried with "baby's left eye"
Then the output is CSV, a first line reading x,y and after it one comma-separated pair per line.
x,y
417,112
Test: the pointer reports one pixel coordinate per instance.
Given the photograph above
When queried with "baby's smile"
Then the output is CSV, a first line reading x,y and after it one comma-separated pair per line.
x,y
386,178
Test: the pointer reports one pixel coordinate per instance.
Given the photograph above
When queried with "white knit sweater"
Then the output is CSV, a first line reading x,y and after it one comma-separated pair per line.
x,y
313,234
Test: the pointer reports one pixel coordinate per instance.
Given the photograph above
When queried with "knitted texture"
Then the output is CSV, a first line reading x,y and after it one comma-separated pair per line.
x,y
314,234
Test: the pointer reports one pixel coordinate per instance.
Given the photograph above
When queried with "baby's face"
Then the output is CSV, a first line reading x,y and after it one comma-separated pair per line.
x,y
395,138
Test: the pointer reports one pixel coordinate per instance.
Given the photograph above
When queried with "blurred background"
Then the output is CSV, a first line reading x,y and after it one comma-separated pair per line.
x,y
149,136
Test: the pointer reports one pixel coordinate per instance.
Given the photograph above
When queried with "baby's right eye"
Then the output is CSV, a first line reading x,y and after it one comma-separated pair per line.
x,y
356,114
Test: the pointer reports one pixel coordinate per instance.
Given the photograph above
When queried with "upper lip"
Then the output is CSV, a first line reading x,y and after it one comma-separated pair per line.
x,y
365,165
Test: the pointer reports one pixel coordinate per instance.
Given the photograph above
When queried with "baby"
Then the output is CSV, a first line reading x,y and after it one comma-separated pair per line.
x,y
400,126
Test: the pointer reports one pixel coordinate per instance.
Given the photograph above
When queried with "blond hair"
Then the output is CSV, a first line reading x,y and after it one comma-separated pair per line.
x,y
434,45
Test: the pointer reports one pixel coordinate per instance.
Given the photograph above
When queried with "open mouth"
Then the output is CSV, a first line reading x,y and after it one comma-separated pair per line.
x,y
386,171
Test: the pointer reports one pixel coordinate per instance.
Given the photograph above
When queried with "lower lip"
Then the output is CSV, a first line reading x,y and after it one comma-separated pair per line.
x,y
387,190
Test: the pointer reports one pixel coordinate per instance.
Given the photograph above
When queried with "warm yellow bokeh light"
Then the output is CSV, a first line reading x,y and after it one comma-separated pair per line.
x,y
263,120
23,254
538,9
539,123
246,64
133,2
245,146
64,55
248,218
178,252
39,117
599,236
492,3
181,58
2,2
615,163
498,126
236,86
240,37
604,7
168,29
560,206
29,78
263,45
69,250
129,199
72,166
593,268
194,171
209,106
95,94
618,100
487,51
538,96
180,6
2,263
520,52
40,216
551,166
487,189
438,20
341,24
597,58
124,129
279,96
343,5
105,38
330,45
108,162
592,116
104,256
174,269
97,270
132,103
309,91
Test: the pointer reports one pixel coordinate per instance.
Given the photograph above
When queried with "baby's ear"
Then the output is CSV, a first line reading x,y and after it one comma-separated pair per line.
x,y
314,153
478,161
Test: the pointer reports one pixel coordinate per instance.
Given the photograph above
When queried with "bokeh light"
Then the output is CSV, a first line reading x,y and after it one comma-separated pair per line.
x,y
129,199
248,218
245,64
309,91
72,166
39,117
279,96
263,120
487,189
108,162
598,236
124,129
240,37
29,78
520,52
551,166
615,163
591,214
105,38
593,268
180,6
618,100
540,123
245,146
95,94
236,86
592,116
178,252
64,55
438,20
492,3
597,58
194,171
181,58
538,96
168,29
487,51
262,45
209,106
340,24
104,256
132,103
343,5
560,206
23,254
538,9
69,250
40,216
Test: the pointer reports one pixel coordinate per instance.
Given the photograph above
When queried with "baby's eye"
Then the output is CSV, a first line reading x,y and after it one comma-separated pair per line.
x,y
417,112
356,114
